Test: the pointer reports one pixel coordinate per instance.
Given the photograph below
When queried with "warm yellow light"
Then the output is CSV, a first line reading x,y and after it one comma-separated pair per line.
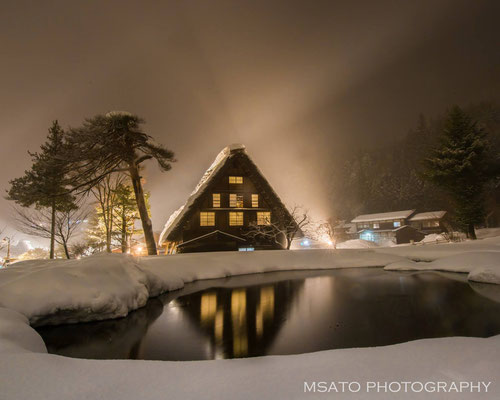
x,y
208,307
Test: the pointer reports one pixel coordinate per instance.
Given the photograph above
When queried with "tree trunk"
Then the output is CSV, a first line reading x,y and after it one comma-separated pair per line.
x,y
471,232
147,227
124,231
66,251
52,230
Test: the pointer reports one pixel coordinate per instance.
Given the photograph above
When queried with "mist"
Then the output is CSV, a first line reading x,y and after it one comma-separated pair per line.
x,y
298,83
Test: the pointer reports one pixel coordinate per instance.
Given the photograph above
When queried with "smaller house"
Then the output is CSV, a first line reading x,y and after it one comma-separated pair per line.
x,y
393,226
429,222
344,231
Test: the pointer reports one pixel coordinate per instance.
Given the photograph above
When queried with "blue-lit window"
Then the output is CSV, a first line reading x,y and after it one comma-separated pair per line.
x,y
246,249
397,224
367,235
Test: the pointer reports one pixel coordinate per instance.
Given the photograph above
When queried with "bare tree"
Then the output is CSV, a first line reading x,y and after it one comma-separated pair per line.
x,y
283,227
105,193
38,222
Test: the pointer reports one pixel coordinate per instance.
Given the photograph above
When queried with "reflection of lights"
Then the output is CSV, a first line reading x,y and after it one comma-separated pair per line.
x,y
219,325
238,316
265,309
208,307
305,243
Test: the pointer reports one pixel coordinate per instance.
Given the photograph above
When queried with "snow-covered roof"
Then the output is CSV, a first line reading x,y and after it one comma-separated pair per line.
x,y
428,215
383,216
219,161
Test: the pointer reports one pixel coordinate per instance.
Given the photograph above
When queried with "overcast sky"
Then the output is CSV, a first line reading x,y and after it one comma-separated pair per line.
x,y
295,81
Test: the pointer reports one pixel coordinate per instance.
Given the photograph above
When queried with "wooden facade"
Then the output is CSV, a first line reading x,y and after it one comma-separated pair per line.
x,y
231,196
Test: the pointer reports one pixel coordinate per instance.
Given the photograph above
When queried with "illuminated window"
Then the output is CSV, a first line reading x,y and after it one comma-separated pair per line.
x,y
255,200
207,219
235,179
216,200
236,218
397,224
236,200
264,218
376,225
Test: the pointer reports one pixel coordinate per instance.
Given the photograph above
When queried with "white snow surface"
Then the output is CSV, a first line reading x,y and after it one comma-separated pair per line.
x,y
383,216
108,286
428,215
28,372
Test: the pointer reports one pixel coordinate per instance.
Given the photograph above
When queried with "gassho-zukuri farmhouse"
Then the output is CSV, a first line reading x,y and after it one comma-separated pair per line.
x,y
231,198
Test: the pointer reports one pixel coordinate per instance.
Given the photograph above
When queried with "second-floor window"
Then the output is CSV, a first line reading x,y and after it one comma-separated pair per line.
x,y
376,225
216,200
207,219
397,224
255,200
235,179
236,218
236,200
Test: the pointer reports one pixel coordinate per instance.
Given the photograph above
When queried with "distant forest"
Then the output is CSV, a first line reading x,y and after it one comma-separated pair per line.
x,y
389,178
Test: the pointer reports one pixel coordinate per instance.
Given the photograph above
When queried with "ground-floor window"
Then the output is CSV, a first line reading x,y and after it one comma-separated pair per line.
x,y
236,218
264,218
207,219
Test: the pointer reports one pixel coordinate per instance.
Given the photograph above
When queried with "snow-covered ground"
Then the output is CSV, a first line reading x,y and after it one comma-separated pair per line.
x,y
27,372
108,286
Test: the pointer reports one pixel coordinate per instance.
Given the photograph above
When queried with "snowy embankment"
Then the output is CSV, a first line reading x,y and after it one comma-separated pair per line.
x,y
99,287
110,286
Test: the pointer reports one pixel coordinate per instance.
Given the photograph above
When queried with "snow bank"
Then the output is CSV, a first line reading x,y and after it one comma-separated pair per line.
x,y
433,238
66,291
110,286
481,266
357,244
27,372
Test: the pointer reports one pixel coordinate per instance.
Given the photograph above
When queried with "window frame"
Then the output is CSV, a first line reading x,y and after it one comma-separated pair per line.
x,y
236,221
207,218
255,200
216,200
261,218
236,200
235,180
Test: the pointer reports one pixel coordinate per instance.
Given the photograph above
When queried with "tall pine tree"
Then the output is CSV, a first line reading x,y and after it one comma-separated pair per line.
x,y
461,166
43,186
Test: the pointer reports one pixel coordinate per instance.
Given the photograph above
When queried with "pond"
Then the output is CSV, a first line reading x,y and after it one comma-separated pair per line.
x,y
288,313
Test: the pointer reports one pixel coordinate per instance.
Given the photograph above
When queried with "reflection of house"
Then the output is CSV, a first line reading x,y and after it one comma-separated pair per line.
x,y
242,322
387,226
231,195
429,222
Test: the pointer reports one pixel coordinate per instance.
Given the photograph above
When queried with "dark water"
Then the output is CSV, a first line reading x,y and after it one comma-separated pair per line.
x,y
288,313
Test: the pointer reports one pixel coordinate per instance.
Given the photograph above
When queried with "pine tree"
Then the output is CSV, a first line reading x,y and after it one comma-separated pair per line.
x,y
43,186
111,143
461,165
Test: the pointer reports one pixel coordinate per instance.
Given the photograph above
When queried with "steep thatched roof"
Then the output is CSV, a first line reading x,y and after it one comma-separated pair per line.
x,y
215,171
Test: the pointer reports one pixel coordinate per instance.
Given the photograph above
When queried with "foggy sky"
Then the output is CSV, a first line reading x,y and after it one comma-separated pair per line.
x,y
296,81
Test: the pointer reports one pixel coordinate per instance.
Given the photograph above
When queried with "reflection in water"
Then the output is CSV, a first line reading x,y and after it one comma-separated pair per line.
x,y
287,313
